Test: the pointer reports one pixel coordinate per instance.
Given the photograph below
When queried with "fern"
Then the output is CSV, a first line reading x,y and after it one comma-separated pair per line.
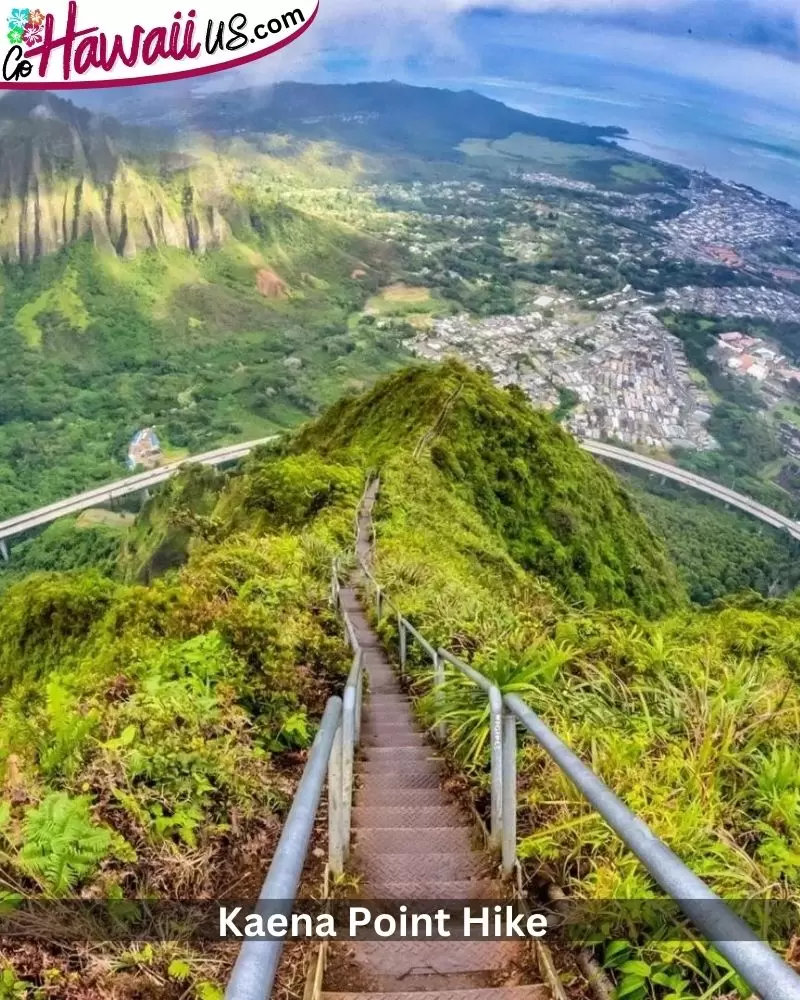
x,y
62,844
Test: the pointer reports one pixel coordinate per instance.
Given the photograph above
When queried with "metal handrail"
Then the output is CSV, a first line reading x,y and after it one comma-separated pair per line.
x,y
332,754
762,968
257,963
334,750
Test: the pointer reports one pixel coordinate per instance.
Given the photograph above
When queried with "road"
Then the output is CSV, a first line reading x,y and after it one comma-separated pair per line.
x,y
18,525
744,503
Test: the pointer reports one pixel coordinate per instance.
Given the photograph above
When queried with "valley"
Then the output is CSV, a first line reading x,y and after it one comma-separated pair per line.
x,y
226,276
445,292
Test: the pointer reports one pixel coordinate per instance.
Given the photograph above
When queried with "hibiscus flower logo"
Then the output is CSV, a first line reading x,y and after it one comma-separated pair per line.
x,y
18,19
33,34
25,25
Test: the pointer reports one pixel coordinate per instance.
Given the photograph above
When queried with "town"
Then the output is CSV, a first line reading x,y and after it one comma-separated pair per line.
x,y
623,375
564,286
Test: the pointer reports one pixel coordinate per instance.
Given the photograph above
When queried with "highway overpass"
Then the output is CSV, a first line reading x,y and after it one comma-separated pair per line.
x,y
16,526
140,483
749,506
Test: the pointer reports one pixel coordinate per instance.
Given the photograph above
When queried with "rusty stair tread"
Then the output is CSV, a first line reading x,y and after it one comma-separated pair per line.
x,y
376,793
401,738
439,815
422,752
456,890
383,779
402,766
408,958
388,719
402,866
537,992
415,840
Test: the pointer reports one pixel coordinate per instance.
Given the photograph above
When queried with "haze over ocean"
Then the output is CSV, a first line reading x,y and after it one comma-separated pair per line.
x,y
602,75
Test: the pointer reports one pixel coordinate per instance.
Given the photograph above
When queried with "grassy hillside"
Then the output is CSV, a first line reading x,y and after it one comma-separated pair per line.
x,y
692,718
559,514
225,346
153,735
154,280
152,720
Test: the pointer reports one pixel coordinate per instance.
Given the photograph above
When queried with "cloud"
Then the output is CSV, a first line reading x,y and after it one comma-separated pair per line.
x,y
744,46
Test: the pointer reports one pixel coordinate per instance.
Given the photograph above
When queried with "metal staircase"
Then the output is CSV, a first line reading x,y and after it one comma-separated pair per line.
x,y
412,841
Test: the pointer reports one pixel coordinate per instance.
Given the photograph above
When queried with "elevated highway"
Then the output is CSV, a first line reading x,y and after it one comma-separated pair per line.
x,y
140,483
22,523
747,504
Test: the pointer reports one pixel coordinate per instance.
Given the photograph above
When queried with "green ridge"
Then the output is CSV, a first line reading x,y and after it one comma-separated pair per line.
x,y
153,717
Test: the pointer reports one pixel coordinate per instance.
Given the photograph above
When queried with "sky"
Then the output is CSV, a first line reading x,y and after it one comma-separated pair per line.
x,y
749,46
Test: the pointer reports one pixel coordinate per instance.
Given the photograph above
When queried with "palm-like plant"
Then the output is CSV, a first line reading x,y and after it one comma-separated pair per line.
x,y
464,708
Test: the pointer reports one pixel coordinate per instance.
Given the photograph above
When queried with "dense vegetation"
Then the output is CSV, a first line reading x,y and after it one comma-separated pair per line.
x,y
149,732
149,720
693,718
68,544
214,361
718,552
559,514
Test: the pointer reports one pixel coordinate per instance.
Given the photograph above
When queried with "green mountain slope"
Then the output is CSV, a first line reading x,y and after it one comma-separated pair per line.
x,y
560,514
148,284
158,719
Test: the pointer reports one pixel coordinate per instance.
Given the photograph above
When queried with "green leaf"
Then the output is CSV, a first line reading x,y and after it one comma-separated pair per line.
x,y
208,991
615,950
631,986
636,968
179,969
125,738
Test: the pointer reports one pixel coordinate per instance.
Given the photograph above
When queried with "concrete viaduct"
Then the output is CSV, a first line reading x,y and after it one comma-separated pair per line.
x,y
140,483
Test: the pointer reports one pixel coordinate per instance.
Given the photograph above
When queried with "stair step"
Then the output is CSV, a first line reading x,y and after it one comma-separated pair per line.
x,y
435,983
456,889
488,993
395,780
396,704
439,815
375,866
402,765
367,640
399,959
376,793
372,658
376,724
359,620
413,754
402,738
388,841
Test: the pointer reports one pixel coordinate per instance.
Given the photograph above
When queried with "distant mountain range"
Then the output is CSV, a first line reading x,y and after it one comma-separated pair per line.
x,y
68,172
375,116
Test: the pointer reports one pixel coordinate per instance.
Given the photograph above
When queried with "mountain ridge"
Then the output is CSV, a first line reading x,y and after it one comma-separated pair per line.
x,y
66,174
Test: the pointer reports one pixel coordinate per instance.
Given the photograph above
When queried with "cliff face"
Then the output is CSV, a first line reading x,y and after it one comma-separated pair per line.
x,y
66,175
